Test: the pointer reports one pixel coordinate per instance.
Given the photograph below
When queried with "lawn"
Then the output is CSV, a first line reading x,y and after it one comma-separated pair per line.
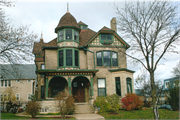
x,y
13,116
141,114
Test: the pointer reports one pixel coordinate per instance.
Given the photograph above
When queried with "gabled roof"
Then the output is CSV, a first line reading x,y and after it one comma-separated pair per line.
x,y
17,71
108,30
37,49
81,23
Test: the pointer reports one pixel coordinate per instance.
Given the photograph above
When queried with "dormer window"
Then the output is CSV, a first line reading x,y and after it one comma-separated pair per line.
x,y
106,36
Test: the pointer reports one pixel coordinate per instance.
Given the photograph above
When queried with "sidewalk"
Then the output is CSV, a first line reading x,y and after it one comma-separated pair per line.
x,y
77,116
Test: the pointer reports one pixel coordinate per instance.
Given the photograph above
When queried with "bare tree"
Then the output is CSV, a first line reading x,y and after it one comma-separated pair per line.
x,y
152,27
176,70
15,43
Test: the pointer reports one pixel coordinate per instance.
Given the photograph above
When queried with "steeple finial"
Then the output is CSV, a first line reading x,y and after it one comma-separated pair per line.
x,y
41,35
67,7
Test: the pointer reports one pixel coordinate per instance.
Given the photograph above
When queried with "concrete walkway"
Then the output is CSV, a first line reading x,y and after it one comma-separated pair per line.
x,y
77,116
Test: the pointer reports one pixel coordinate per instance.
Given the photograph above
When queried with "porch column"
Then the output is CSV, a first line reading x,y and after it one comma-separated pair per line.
x,y
47,84
92,86
69,84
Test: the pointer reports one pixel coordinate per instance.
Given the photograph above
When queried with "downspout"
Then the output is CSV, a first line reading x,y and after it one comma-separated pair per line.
x,y
91,52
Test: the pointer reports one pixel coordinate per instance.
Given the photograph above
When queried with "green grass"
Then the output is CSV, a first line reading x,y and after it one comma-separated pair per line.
x,y
13,116
142,114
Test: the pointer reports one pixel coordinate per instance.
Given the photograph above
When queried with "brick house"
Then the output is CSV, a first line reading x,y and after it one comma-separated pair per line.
x,y
82,62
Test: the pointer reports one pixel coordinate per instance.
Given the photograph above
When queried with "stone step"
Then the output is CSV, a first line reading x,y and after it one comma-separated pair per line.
x,y
83,108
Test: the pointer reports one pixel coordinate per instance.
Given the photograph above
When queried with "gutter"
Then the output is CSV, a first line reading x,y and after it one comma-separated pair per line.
x,y
83,47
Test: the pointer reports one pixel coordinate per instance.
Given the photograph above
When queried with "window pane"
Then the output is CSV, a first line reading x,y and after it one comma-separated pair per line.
x,y
2,97
5,83
17,96
99,59
114,59
101,92
76,58
60,35
5,97
42,66
101,83
84,27
61,58
68,57
75,35
9,83
109,37
107,58
103,36
2,82
69,34
118,86
129,88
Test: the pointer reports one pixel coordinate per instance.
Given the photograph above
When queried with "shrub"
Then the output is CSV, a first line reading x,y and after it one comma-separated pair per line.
x,y
102,103
113,103
66,104
147,104
131,102
33,108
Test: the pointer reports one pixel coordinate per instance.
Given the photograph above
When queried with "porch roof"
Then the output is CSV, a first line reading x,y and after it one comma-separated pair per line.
x,y
67,71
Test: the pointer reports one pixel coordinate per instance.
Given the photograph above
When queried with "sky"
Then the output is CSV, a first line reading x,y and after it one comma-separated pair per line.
x,y
44,16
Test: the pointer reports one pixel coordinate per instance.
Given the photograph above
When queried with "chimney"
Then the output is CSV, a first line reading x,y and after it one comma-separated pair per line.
x,y
113,24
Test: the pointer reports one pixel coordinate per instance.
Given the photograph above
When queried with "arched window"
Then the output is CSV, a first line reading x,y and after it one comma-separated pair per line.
x,y
129,85
107,58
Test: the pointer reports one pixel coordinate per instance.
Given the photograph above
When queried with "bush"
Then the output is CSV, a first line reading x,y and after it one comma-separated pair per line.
x,y
113,103
131,102
102,103
66,104
173,97
33,108
147,104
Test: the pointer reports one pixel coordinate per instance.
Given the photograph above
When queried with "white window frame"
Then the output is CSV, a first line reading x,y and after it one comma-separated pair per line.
x,y
17,97
166,85
28,96
2,83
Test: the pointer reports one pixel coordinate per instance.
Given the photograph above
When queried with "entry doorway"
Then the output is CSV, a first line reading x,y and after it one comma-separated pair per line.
x,y
80,89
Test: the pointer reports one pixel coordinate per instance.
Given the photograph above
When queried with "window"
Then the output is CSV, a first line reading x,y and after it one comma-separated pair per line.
x,y
2,83
29,96
68,57
42,66
107,58
106,36
129,85
118,86
75,35
68,34
29,80
61,35
2,97
76,58
17,96
166,84
61,58
101,87
5,97
9,83
18,81
5,83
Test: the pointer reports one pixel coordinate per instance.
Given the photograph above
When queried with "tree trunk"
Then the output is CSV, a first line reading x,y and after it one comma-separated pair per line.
x,y
154,96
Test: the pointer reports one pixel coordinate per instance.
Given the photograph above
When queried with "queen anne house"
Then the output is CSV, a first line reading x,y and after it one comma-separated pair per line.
x,y
82,62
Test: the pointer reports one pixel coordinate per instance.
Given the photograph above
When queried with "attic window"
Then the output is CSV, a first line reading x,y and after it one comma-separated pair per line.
x,y
106,36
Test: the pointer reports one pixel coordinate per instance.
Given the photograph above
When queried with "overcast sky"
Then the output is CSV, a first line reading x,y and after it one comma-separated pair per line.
x,y
45,15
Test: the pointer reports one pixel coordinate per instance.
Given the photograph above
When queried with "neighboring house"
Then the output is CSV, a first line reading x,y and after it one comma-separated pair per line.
x,y
170,82
18,81
82,62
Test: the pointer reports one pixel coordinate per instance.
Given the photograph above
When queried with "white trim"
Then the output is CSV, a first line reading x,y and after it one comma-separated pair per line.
x,y
16,96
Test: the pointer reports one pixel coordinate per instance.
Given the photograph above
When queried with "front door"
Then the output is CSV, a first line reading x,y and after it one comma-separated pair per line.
x,y
79,91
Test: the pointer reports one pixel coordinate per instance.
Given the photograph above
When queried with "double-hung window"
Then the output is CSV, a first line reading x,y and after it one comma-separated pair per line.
x,y
9,81
61,35
68,34
129,85
106,36
75,35
76,58
5,83
68,57
61,58
101,87
2,81
118,86
17,97
106,58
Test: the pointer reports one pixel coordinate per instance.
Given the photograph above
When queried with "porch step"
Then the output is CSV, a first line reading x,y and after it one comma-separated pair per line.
x,y
83,108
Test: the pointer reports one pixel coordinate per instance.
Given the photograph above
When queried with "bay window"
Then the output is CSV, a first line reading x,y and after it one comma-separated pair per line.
x,y
68,57
129,85
68,34
61,37
118,86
